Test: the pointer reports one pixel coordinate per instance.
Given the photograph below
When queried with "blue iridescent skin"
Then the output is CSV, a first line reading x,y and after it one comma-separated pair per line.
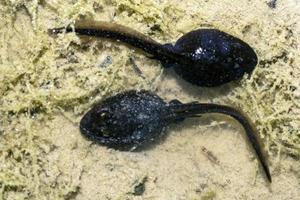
x,y
132,119
204,57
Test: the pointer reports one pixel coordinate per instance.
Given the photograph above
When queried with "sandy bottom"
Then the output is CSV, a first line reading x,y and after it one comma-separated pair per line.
x,y
47,84
217,163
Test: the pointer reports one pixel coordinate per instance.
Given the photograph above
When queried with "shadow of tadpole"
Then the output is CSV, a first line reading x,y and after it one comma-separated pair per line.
x,y
202,92
136,148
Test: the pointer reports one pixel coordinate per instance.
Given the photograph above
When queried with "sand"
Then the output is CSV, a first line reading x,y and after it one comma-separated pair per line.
x,y
47,84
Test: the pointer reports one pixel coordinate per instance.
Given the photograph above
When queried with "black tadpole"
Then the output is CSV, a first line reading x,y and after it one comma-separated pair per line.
x,y
204,57
272,4
131,119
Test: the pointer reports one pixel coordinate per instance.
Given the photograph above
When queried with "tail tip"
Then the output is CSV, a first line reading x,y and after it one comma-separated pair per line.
x,y
267,172
55,31
269,177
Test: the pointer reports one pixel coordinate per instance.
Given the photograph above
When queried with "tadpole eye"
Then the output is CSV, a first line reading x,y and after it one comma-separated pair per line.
x,y
102,114
101,119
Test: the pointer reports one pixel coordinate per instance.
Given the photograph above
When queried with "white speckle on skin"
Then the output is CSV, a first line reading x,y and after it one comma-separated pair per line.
x,y
142,116
199,50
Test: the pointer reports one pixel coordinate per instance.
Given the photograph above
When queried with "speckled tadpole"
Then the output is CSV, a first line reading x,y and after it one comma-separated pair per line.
x,y
204,57
131,119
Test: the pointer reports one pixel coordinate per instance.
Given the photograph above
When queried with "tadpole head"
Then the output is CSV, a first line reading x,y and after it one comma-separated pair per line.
x,y
213,57
125,121
95,123
238,57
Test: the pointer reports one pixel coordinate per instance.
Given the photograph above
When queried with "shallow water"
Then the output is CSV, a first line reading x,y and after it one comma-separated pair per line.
x,y
47,84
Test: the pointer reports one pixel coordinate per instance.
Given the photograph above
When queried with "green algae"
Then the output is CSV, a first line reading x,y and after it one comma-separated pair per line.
x,y
41,76
209,195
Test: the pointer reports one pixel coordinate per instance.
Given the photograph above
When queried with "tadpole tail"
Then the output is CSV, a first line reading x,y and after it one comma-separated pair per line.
x,y
120,33
189,110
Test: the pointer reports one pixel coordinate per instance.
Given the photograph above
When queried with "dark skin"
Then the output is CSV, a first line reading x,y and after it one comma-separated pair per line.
x,y
204,57
132,119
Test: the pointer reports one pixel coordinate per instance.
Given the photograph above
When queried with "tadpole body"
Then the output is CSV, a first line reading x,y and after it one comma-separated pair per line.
x,y
132,119
204,57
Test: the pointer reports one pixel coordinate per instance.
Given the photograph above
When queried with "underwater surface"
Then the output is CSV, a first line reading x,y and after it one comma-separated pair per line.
x,y
48,83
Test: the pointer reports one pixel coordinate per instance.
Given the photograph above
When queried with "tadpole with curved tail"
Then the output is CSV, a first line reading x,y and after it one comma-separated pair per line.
x,y
204,57
131,119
